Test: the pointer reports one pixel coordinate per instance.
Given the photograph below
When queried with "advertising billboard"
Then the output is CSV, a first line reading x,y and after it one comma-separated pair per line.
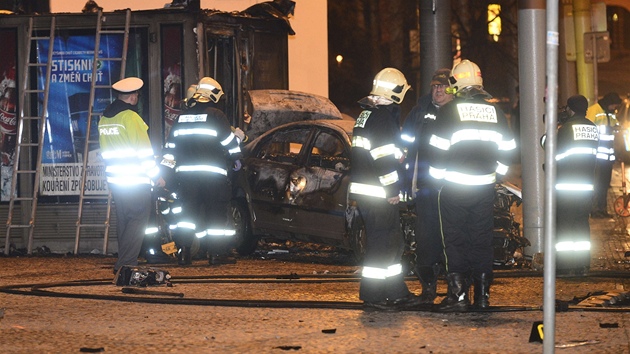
x,y
8,109
66,132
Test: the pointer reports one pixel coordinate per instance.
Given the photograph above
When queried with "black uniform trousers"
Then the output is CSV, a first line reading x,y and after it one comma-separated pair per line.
x,y
467,218
603,173
384,248
205,201
572,224
429,249
133,208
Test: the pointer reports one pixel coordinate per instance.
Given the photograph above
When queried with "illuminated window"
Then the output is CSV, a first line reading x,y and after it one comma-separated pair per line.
x,y
494,21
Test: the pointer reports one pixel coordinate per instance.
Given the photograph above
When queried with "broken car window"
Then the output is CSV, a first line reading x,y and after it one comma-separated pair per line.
x,y
284,146
329,152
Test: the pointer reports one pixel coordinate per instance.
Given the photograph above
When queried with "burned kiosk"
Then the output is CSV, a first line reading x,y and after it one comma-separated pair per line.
x,y
57,70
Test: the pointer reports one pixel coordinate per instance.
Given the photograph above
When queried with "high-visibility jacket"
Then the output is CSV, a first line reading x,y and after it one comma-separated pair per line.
x,y
201,141
199,154
472,143
606,124
576,149
578,139
125,146
376,154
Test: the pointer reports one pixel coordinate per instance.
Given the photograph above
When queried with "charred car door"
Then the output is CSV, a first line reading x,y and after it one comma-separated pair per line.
x,y
269,168
318,190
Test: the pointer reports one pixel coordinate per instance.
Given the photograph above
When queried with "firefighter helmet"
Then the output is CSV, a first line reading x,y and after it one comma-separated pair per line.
x,y
190,92
465,74
208,89
390,83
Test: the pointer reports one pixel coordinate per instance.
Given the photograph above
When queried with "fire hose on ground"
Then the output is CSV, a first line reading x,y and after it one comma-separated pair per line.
x,y
145,295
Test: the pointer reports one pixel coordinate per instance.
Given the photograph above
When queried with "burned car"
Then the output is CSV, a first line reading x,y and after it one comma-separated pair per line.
x,y
294,181
294,186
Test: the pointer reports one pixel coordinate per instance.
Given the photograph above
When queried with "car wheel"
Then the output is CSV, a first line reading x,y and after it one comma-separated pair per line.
x,y
358,237
246,242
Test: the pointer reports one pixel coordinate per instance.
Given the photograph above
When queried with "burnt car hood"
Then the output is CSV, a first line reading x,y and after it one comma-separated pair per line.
x,y
271,108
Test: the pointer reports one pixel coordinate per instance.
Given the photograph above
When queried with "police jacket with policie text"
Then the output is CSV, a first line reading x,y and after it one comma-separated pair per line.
x,y
201,141
471,142
376,153
607,124
575,154
125,146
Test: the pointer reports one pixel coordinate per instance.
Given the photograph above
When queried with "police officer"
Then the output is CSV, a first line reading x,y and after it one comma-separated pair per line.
x,y
201,150
471,144
603,115
130,168
575,164
416,132
375,185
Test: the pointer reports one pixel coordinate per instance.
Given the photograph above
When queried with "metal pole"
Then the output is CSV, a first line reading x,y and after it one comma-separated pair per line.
x,y
531,54
551,112
435,40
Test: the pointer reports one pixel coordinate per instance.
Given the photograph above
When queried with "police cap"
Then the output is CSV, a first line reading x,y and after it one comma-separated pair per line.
x,y
129,84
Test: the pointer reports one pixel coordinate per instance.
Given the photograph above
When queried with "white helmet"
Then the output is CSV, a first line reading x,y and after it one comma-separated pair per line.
x,y
390,83
465,74
208,89
190,92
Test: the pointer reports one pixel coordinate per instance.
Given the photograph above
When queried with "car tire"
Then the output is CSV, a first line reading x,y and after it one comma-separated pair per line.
x,y
246,242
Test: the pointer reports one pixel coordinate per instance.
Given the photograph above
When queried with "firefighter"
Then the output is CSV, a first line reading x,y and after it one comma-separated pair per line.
x,y
578,139
130,168
416,132
472,142
201,151
375,186
603,115
189,102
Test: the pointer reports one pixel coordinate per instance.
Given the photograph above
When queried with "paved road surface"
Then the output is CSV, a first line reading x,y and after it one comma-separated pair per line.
x,y
64,322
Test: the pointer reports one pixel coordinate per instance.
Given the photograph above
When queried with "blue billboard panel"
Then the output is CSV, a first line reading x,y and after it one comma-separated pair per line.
x,y
66,131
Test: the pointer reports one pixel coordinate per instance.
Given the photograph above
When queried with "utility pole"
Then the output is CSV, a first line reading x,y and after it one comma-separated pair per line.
x,y
582,24
531,54
435,40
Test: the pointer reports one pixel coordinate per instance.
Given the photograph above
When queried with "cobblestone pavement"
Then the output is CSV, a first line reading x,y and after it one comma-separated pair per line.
x,y
63,324
67,320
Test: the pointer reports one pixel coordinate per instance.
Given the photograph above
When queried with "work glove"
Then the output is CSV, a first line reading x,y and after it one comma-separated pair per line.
x,y
240,134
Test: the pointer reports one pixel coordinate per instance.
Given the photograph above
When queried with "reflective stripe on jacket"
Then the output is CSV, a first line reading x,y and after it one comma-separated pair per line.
x,y
472,142
606,124
376,153
201,141
576,151
126,149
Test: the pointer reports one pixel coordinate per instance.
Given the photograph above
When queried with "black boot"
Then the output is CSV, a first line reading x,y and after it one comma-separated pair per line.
x,y
183,256
457,296
428,279
482,283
